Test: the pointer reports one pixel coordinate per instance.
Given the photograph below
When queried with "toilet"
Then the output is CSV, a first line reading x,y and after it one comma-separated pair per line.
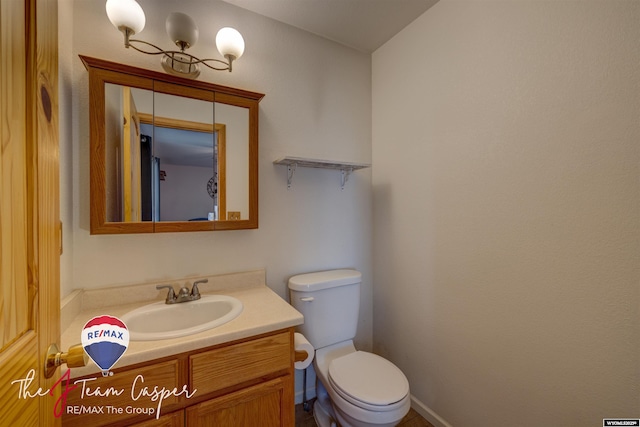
x,y
355,388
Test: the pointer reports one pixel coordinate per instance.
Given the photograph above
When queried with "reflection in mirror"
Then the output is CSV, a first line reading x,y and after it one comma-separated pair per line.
x,y
185,159
125,154
236,182
167,168
186,155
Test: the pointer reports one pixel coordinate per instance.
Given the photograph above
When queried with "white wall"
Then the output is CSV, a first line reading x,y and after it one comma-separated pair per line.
x,y
506,210
317,104
183,193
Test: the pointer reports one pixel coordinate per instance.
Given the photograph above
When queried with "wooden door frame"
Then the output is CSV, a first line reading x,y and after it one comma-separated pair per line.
x,y
43,186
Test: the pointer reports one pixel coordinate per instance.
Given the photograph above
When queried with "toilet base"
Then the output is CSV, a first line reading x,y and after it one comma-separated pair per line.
x,y
322,409
326,415
346,420
322,416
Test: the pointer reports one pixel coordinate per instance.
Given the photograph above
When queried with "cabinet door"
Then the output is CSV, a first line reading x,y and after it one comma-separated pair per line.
x,y
175,419
264,405
125,396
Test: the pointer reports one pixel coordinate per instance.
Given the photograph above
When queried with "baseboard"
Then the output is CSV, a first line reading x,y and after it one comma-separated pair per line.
x,y
422,409
427,413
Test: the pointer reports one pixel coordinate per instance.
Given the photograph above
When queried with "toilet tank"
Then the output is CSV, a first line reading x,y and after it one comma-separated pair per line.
x,y
329,302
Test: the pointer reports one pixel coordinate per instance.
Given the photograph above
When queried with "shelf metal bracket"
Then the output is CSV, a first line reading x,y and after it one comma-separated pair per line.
x,y
291,170
344,177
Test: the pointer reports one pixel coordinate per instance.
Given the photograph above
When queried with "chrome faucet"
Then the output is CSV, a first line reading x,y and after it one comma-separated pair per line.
x,y
184,295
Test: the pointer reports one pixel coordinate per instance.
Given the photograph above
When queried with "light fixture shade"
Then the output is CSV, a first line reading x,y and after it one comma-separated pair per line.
x,y
126,14
182,29
230,42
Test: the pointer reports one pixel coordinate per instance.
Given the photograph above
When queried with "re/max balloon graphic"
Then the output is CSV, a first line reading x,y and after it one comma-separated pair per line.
x,y
105,339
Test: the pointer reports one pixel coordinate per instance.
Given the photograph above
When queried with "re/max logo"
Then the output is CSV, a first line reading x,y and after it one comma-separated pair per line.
x,y
103,333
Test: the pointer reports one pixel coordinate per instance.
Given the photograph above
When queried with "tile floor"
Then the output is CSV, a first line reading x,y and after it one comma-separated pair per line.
x,y
413,419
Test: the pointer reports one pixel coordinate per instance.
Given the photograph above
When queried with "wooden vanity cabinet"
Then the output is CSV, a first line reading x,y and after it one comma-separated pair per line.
x,y
175,419
247,382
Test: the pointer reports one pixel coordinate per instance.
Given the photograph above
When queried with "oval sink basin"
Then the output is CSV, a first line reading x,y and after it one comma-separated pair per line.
x,y
159,321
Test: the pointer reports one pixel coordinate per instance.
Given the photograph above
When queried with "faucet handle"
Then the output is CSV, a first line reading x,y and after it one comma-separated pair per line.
x,y
171,296
195,292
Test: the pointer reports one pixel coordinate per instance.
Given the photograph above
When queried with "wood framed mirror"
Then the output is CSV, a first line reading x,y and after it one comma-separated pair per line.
x,y
169,154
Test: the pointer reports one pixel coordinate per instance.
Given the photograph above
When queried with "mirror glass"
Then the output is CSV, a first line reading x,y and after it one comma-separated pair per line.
x,y
161,164
236,153
184,163
125,154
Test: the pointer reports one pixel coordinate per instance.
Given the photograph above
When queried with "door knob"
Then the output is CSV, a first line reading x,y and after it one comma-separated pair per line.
x,y
75,357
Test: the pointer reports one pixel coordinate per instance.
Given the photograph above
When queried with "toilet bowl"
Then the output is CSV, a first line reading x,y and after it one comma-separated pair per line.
x,y
355,388
363,389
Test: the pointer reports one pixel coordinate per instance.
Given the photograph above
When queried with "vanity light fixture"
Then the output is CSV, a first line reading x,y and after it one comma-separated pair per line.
x,y
128,17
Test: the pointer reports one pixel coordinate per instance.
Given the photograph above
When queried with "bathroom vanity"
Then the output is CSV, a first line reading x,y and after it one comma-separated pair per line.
x,y
240,373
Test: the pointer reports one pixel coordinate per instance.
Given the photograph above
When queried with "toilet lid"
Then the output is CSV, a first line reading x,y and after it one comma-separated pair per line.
x,y
368,378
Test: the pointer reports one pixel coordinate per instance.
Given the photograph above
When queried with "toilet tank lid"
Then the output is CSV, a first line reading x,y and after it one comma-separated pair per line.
x,y
311,282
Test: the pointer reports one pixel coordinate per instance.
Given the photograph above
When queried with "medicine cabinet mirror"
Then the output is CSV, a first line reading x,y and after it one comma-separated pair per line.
x,y
170,154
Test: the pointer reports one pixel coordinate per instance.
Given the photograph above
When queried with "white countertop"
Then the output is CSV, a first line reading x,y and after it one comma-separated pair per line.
x,y
263,311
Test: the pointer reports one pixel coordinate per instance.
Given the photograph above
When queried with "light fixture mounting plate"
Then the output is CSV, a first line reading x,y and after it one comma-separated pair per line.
x,y
178,64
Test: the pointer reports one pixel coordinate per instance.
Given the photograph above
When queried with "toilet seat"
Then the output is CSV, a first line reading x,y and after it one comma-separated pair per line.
x,y
368,381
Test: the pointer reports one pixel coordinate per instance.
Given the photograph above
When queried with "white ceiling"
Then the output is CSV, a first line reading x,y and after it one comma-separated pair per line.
x,y
364,25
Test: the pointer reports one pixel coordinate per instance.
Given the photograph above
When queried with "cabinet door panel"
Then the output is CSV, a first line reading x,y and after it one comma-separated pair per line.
x,y
263,405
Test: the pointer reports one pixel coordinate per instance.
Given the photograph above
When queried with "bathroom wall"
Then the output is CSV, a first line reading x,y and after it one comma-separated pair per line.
x,y
178,205
317,104
506,211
